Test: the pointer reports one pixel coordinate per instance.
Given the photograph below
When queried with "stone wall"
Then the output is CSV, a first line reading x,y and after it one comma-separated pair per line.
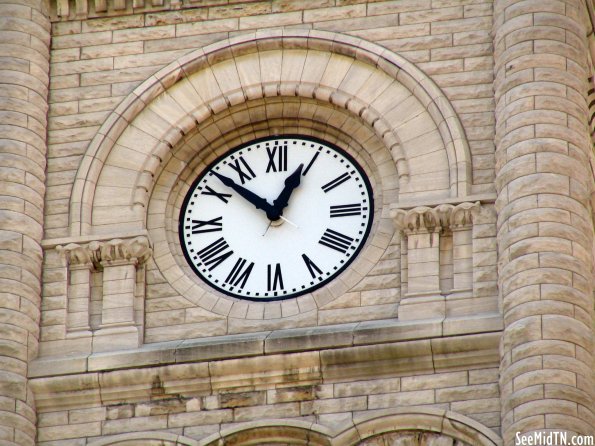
x,y
97,62
298,381
93,71
408,345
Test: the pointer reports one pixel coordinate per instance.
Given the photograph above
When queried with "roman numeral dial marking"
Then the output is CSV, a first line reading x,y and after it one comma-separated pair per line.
x,y
274,277
220,196
240,273
213,255
277,159
244,171
335,240
336,182
312,268
346,210
200,226
310,163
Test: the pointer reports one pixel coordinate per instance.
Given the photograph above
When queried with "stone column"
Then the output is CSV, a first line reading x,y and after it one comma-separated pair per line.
x,y
545,228
422,229
120,259
24,49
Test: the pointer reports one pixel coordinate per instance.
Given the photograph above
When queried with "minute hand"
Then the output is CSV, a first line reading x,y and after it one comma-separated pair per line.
x,y
291,182
258,202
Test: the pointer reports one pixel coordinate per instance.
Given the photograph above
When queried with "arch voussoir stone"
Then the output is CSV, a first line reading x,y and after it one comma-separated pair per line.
x,y
229,58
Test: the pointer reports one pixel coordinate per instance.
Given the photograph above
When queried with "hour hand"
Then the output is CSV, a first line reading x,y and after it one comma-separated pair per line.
x,y
258,202
291,182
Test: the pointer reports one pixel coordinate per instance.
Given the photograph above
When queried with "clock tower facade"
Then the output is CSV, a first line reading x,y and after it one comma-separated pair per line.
x,y
289,222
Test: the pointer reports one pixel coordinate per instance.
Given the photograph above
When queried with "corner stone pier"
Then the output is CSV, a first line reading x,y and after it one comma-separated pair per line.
x,y
545,227
24,63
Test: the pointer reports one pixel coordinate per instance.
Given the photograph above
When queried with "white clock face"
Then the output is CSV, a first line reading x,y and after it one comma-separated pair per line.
x,y
276,218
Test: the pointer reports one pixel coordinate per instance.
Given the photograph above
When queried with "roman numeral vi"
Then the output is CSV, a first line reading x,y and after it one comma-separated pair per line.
x,y
274,277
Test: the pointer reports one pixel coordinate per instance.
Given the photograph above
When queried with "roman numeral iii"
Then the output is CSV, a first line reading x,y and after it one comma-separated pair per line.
x,y
335,240
346,210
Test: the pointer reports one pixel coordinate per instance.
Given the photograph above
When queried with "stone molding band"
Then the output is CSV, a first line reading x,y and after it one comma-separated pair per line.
x,y
95,253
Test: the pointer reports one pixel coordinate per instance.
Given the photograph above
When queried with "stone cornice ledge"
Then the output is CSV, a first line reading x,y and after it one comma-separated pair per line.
x,y
486,198
82,239
267,343
289,357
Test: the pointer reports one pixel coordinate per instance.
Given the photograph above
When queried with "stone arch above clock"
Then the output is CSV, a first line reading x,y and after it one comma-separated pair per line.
x,y
405,109
368,101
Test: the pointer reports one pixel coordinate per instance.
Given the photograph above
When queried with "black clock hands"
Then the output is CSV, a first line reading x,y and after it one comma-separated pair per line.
x,y
258,202
275,211
291,182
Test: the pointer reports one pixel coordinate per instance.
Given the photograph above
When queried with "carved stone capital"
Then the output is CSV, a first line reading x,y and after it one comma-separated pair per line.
x,y
462,214
136,250
421,219
435,219
81,255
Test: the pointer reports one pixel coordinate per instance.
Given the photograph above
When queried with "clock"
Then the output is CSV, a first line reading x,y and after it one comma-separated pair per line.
x,y
276,218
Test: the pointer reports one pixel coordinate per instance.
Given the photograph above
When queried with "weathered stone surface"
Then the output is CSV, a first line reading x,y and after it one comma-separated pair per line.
x,y
532,140
419,113
24,49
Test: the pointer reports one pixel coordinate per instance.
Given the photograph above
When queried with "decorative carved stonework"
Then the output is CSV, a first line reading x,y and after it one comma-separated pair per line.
x,y
462,214
437,256
80,255
434,219
135,250
115,263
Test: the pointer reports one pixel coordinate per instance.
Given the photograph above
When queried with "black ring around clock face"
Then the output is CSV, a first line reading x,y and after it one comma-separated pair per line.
x,y
276,218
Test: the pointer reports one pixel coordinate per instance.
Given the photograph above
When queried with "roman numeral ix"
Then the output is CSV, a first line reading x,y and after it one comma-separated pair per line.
x,y
335,240
200,226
